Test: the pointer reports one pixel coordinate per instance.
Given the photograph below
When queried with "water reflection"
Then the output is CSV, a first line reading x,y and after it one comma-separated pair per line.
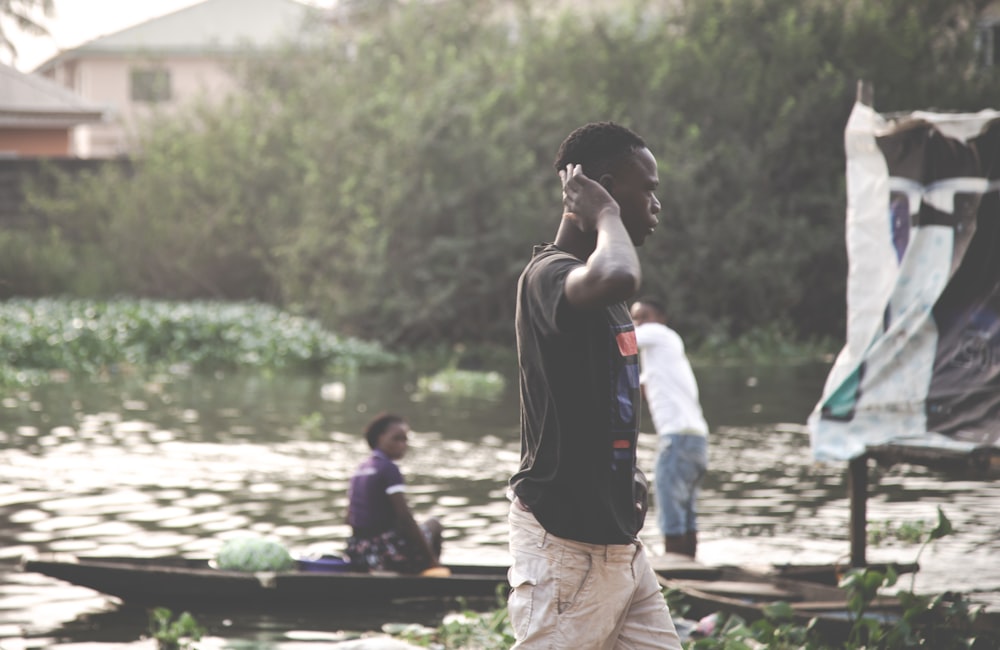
x,y
176,465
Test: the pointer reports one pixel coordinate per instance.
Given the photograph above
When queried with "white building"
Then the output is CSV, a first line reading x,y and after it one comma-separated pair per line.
x,y
155,67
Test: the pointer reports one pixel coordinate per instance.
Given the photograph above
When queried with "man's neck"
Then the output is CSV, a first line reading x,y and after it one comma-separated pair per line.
x,y
574,241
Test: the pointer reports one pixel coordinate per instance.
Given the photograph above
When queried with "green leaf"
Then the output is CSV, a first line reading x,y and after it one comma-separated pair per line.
x,y
943,527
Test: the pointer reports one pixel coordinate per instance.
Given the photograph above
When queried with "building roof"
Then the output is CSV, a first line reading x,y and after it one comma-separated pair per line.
x,y
210,26
32,101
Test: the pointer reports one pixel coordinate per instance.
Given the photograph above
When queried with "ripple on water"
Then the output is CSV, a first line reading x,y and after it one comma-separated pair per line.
x,y
338,532
76,546
451,501
28,516
201,500
229,523
107,530
202,547
15,551
289,532
157,514
65,522
106,502
161,540
195,520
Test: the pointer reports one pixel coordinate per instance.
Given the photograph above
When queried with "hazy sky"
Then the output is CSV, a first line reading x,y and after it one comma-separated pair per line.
x,y
77,21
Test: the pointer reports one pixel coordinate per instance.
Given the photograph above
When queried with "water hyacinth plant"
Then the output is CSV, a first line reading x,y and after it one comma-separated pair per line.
x,y
457,382
174,634
88,337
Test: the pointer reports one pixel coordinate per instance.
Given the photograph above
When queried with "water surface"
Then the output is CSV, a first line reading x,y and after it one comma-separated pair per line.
x,y
178,464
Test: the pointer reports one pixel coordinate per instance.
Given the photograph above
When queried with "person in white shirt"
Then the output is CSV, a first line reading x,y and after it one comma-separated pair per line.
x,y
671,392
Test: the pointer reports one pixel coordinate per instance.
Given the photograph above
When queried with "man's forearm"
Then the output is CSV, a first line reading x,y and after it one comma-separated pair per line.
x,y
614,265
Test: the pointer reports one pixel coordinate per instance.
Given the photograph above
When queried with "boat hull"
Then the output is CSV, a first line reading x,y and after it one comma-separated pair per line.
x,y
193,583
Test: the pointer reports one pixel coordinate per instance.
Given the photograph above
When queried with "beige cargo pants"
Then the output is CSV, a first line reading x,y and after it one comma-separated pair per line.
x,y
568,595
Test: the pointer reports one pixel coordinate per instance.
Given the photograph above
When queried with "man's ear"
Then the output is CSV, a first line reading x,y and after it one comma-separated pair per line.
x,y
608,182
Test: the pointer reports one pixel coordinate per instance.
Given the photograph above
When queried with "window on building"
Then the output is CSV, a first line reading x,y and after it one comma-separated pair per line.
x,y
988,43
150,85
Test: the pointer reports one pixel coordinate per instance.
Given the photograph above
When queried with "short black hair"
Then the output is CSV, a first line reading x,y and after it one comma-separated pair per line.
x,y
597,147
656,305
380,425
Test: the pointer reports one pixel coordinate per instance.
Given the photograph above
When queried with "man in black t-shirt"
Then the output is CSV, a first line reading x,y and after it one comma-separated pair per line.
x,y
580,577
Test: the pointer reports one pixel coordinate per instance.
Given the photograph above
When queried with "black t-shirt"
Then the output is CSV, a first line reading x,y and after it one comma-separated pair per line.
x,y
579,376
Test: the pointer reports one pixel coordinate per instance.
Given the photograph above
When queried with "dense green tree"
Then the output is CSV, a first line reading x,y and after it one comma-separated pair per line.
x,y
389,176
762,90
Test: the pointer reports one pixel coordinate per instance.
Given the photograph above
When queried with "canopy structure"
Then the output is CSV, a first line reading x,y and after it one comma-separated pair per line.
x,y
919,376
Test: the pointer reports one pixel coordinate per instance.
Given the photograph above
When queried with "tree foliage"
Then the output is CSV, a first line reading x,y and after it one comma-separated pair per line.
x,y
27,16
390,177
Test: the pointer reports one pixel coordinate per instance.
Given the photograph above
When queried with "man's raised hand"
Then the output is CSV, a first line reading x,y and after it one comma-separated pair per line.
x,y
585,201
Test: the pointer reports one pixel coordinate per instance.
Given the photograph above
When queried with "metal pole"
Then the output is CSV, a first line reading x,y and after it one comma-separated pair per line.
x,y
857,492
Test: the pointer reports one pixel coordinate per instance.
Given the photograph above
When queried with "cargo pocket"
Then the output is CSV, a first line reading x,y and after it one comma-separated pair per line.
x,y
524,575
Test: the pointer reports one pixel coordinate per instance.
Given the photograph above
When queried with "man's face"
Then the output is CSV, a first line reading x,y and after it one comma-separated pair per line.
x,y
634,188
643,313
394,441
640,313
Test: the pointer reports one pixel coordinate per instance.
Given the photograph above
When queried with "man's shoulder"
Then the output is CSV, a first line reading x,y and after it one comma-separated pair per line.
x,y
548,263
656,329
382,461
546,254
658,332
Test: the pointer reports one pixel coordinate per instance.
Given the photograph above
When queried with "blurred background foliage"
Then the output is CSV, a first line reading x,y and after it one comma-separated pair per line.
x,y
390,176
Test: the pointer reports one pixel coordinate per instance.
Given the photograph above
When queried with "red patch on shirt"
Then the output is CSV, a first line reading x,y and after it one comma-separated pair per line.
x,y
622,444
626,344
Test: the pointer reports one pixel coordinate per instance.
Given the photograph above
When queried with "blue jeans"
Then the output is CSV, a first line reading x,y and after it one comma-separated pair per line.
x,y
680,468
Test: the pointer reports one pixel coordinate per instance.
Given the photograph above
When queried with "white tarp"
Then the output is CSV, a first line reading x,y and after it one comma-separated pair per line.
x,y
921,365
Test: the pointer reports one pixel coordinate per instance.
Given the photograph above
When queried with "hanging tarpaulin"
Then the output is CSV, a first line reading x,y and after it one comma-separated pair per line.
x,y
921,365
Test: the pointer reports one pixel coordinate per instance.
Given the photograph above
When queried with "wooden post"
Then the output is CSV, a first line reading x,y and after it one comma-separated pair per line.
x,y
857,492
857,469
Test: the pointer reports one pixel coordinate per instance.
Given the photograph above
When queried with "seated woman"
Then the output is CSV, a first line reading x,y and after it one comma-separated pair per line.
x,y
385,535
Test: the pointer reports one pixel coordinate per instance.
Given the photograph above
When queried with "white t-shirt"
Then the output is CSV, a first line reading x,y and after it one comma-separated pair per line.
x,y
668,381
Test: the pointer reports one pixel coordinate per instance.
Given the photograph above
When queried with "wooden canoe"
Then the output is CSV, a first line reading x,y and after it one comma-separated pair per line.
x,y
748,594
166,579
194,583
172,579
831,574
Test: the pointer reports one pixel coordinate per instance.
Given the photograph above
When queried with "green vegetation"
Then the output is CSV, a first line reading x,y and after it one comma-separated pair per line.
x,y
56,338
174,634
943,622
465,629
91,338
763,345
909,532
456,382
403,210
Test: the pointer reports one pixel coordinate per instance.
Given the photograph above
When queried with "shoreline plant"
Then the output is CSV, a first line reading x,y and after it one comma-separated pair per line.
x,y
945,621
181,633
43,337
